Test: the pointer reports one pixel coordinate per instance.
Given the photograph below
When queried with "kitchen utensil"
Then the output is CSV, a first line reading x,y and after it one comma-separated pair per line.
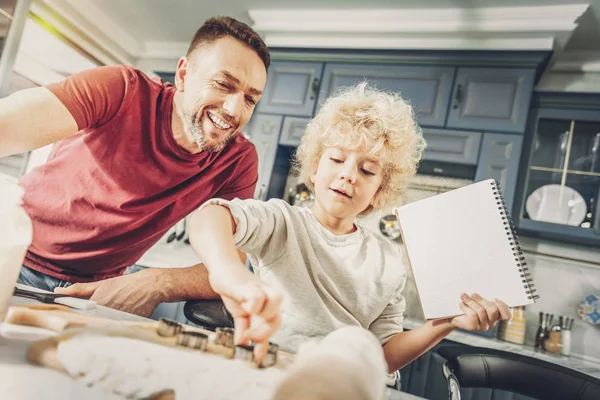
x,y
566,336
553,343
540,335
301,196
388,225
556,204
73,302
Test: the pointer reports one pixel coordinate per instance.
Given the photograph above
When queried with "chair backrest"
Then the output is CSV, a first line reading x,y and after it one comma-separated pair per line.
x,y
494,369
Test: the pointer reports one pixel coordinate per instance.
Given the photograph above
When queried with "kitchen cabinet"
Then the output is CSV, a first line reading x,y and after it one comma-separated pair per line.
x,y
491,99
264,133
461,147
293,130
166,76
426,88
291,88
499,160
424,377
560,176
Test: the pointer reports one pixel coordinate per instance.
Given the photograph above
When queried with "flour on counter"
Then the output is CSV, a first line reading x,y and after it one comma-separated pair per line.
x,y
136,369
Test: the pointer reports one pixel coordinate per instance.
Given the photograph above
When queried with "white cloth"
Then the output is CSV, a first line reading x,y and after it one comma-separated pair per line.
x,y
347,364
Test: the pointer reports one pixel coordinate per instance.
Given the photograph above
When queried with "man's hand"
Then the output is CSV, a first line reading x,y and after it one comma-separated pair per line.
x,y
137,293
480,314
254,306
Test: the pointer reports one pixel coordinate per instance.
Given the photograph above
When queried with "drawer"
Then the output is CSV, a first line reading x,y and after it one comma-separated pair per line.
x,y
460,147
293,130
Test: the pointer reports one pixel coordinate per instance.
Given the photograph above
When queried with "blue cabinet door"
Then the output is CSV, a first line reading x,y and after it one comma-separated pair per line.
x,y
264,133
459,147
293,130
291,88
499,160
492,99
427,89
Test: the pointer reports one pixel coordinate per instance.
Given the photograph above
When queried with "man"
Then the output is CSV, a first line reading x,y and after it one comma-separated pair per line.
x,y
136,156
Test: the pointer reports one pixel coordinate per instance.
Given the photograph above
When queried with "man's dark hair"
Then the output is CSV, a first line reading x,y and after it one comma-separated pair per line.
x,y
218,27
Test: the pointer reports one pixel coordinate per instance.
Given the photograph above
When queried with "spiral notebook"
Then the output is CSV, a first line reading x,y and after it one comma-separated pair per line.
x,y
463,241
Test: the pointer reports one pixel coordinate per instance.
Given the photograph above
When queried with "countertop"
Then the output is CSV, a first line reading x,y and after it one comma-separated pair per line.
x,y
21,380
587,367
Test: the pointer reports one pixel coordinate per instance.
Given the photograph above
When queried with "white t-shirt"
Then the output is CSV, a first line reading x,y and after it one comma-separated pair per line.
x,y
328,281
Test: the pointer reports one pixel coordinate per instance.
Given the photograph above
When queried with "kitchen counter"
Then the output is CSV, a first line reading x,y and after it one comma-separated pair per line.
x,y
20,380
587,367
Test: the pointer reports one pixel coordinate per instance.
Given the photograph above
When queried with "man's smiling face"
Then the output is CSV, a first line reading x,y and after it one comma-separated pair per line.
x,y
222,83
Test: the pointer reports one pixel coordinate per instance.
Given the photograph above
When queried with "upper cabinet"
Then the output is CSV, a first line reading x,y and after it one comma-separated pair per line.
x,y
264,133
426,88
491,99
291,88
560,176
499,160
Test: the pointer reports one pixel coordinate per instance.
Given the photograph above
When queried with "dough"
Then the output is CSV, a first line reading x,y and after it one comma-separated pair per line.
x,y
347,364
136,369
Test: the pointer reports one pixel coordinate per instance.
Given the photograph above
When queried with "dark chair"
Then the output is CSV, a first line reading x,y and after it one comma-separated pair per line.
x,y
208,314
487,368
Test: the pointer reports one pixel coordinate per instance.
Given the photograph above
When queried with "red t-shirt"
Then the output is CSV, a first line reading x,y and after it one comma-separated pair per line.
x,y
109,193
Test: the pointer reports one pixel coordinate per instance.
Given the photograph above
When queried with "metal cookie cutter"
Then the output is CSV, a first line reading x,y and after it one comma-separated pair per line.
x,y
246,353
193,340
224,337
168,327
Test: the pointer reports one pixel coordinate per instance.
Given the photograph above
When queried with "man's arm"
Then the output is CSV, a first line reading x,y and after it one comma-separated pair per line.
x,y
33,118
140,293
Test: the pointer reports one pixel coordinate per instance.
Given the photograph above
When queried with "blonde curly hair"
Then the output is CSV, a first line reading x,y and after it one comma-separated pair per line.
x,y
370,121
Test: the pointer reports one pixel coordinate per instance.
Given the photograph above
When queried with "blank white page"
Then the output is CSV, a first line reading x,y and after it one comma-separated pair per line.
x,y
457,243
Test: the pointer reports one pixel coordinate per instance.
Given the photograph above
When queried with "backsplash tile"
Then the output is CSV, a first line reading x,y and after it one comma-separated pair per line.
x,y
562,284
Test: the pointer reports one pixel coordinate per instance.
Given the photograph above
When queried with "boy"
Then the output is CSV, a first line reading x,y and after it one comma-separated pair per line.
x,y
356,156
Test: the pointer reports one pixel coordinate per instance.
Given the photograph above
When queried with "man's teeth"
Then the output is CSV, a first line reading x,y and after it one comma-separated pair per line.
x,y
218,121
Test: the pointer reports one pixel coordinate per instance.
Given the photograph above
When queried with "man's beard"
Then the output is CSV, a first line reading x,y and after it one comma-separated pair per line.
x,y
195,129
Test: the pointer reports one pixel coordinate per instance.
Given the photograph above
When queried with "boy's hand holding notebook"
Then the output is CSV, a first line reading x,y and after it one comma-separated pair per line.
x,y
463,241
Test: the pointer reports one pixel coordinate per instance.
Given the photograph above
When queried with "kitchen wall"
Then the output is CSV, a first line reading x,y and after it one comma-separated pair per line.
x,y
564,275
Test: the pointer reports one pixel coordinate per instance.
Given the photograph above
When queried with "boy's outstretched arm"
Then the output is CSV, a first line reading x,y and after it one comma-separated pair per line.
x,y
211,235
479,315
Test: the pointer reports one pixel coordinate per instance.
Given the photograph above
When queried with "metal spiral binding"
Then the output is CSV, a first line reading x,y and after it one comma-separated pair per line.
x,y
514,243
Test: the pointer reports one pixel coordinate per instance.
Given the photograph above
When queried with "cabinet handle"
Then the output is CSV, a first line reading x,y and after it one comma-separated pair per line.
x,y
314,88
458,96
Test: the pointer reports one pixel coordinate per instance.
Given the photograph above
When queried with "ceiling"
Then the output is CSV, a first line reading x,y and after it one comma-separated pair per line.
x,y
177,20
161,29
